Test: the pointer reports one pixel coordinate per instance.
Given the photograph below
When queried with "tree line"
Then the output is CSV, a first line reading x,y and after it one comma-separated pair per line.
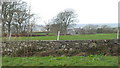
x,y
94,29
16,18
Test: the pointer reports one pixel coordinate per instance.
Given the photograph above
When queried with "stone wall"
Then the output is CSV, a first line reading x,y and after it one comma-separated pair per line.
x,y
60,48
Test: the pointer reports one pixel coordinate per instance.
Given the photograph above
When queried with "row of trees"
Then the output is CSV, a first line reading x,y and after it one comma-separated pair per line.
x,y
65,21
93,29
16,18
88,29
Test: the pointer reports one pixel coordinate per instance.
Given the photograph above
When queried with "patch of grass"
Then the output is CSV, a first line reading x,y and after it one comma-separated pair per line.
x,y
69,37
89,37
93,60
43,33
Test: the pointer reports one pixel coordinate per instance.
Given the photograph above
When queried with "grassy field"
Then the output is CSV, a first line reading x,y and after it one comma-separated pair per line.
x,y
43,33
95,60
69,37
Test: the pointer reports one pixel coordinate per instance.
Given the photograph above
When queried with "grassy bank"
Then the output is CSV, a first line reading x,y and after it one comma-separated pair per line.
x,y
95,60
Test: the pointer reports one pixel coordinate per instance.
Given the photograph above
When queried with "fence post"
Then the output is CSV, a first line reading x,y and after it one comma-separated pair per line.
x,y
118,34
58,37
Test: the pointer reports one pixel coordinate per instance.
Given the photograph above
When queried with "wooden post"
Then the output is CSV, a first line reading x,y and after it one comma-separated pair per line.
x,y
58,37
118,34
10,36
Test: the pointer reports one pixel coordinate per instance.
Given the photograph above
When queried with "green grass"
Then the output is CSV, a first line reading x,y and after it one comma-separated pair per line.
x,y
69,37
95,60
43,33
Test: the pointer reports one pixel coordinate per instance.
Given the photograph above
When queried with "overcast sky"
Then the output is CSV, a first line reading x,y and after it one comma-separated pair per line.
x,y
89,11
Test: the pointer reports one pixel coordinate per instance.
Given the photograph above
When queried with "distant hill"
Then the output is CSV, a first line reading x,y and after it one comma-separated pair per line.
x,y
109,24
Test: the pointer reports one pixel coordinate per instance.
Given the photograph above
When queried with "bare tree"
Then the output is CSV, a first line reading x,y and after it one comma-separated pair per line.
x,y
20,15
47,27
64,20
16,15
7,15
32,23
106,29
90,29
54,28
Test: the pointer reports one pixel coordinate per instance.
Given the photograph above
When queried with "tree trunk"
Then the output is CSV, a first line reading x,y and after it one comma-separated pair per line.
x,y
20,30
3,29
9,29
